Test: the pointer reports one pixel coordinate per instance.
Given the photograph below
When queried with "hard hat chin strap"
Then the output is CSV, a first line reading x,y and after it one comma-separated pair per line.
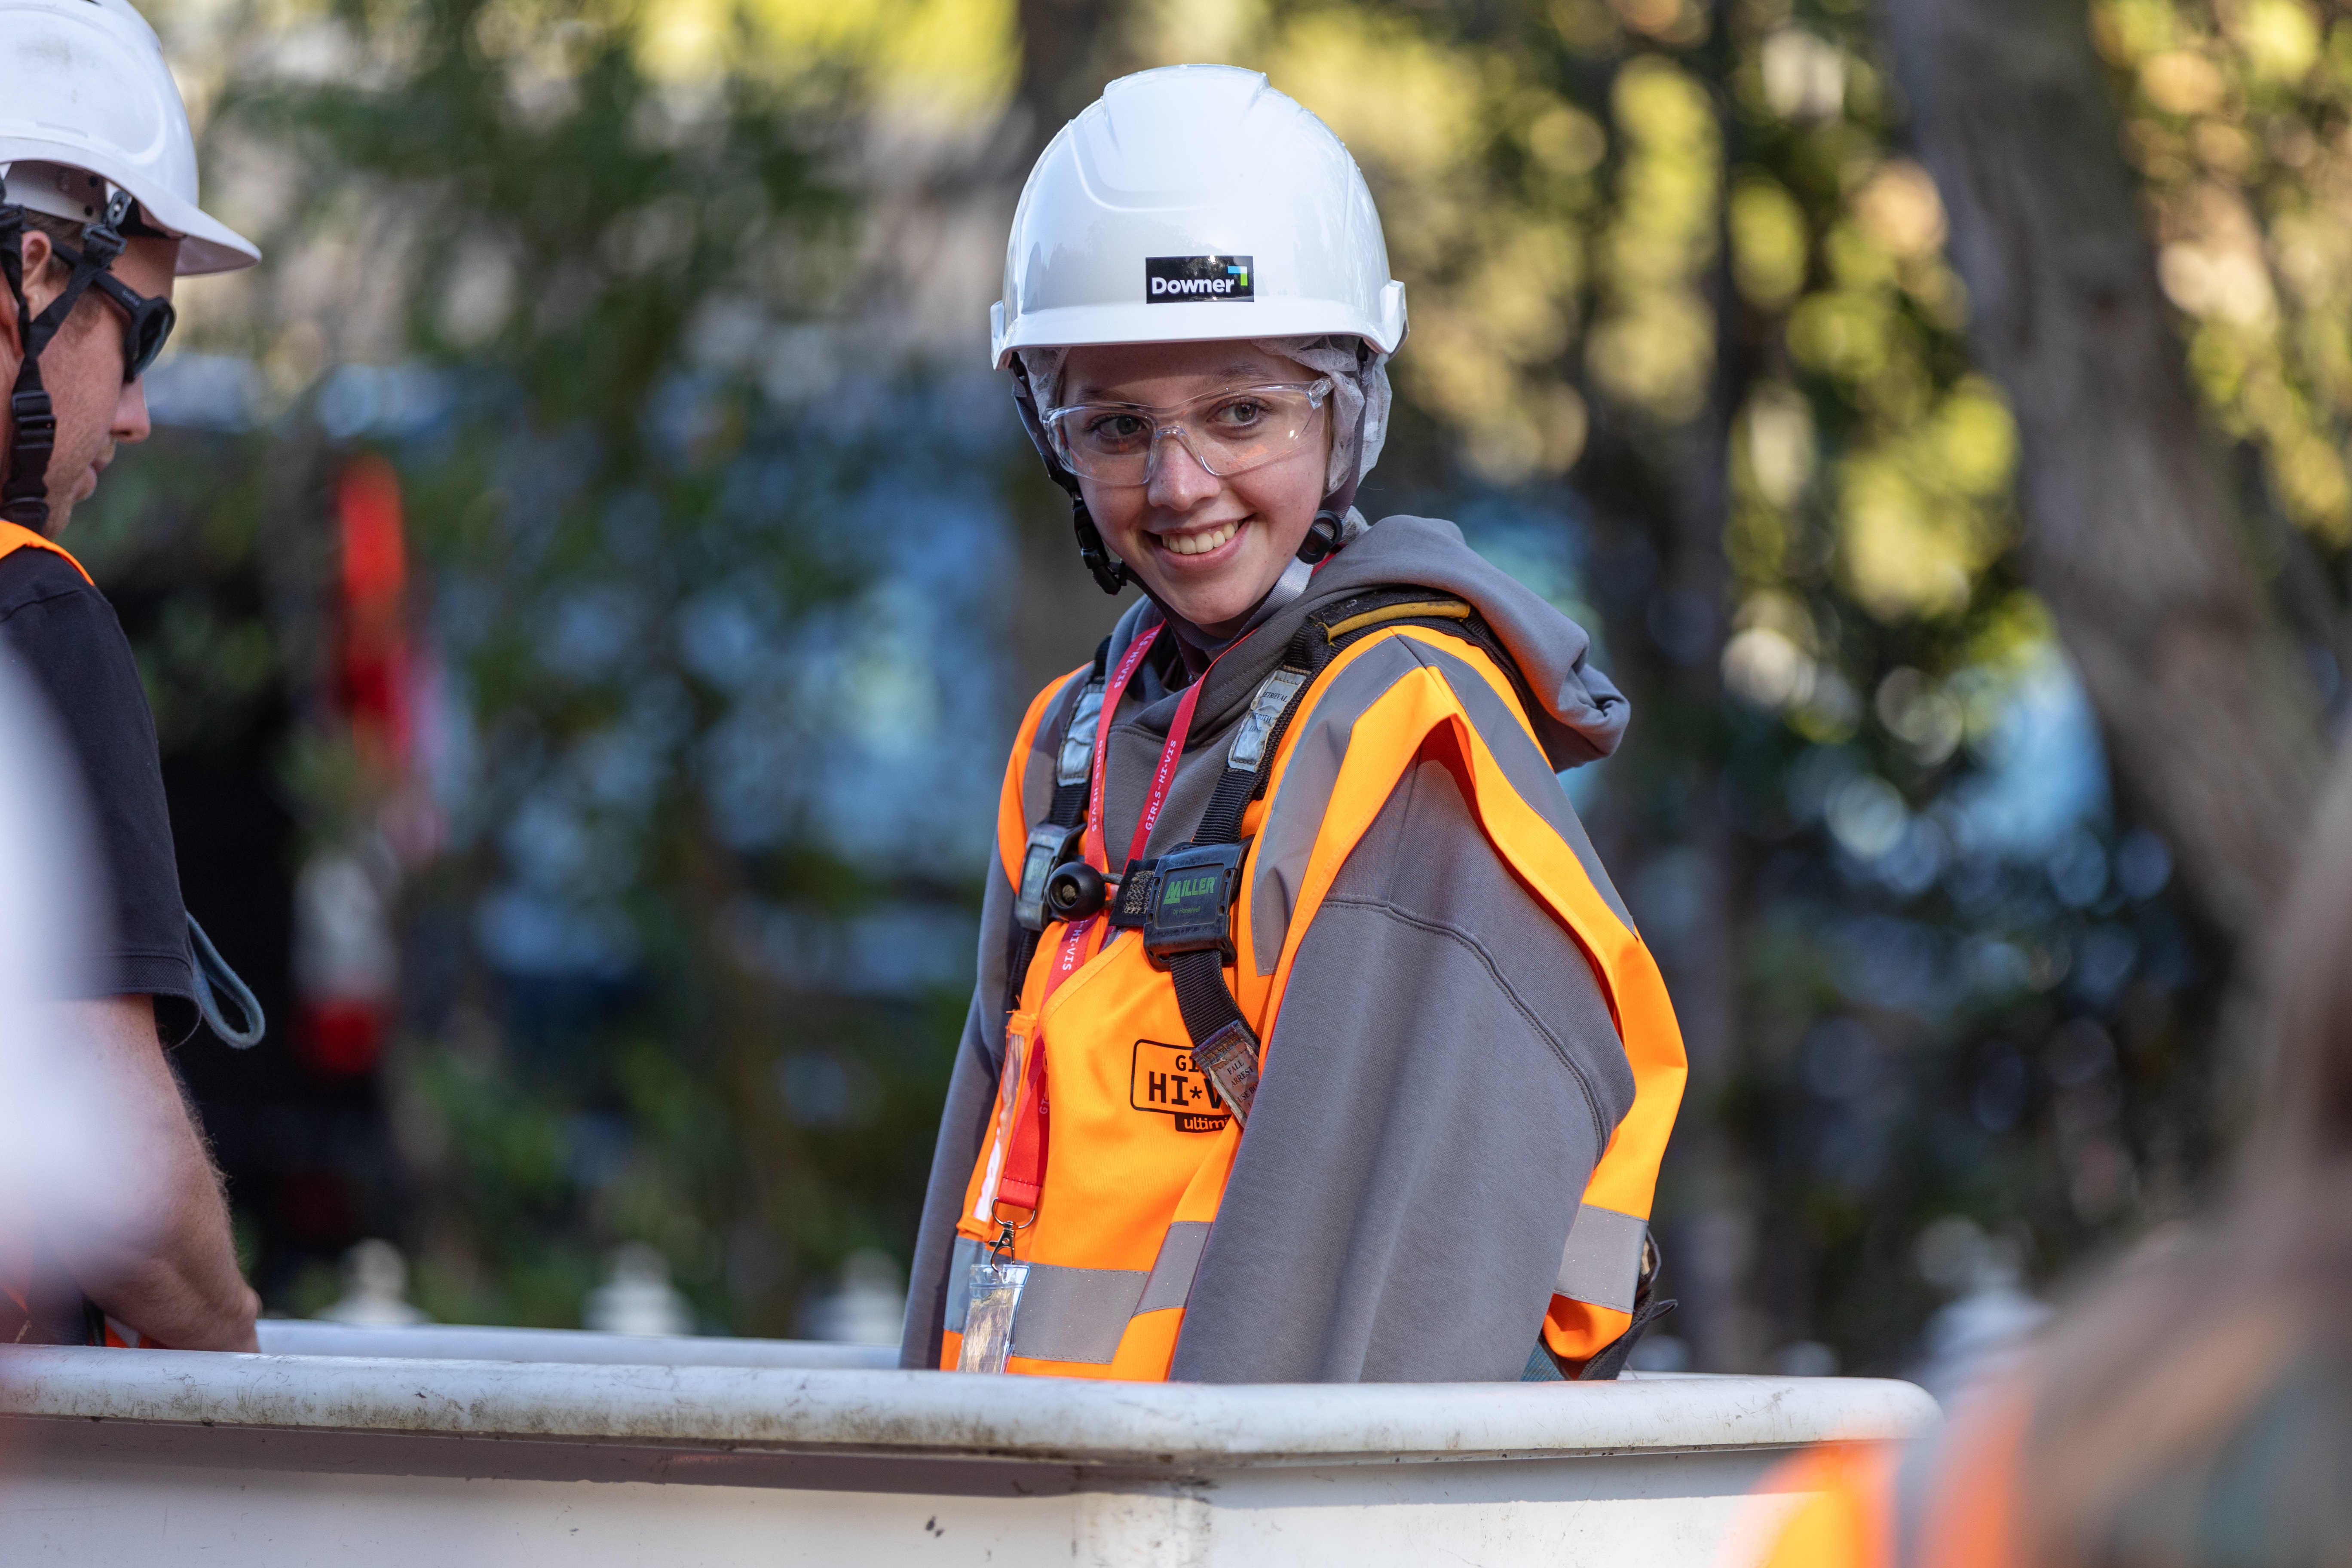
x,y
1324,535
1110,574
1330,529
33,420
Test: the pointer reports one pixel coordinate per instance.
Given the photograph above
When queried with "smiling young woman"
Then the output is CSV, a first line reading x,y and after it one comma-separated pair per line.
x,y
1310,1041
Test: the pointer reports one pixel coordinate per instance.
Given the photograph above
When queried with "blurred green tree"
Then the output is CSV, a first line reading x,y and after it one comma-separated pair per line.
x,y
586,246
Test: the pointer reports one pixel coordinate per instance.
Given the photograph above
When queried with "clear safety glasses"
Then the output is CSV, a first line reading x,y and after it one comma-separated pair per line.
x,y
1228,433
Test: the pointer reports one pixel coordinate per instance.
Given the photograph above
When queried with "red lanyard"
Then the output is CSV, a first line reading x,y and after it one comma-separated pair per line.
x,y
1023,1180
1071,951
1094,848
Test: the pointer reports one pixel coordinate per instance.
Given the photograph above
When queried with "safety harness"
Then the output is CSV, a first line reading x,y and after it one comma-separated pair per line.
x,y
1182,900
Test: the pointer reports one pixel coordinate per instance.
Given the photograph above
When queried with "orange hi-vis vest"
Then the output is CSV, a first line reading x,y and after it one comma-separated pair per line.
x,y
1141,1142
1948,1499
14,537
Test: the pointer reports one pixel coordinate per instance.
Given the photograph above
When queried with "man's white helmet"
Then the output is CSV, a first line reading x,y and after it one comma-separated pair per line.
x,y
84,91
1192,203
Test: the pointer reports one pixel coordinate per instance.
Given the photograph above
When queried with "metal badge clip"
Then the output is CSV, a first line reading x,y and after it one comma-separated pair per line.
x,y
1230,1058
993,1300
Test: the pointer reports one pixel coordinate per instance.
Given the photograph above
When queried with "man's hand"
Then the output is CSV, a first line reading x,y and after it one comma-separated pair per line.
x,y
151,1247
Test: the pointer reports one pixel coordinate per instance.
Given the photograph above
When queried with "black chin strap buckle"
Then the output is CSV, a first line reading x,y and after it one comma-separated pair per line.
x,y
1322,538
1110,571
36,420
32,438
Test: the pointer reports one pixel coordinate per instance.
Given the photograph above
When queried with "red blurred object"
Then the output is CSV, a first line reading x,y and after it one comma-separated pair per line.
x,y
373,673
314,1207
341,1037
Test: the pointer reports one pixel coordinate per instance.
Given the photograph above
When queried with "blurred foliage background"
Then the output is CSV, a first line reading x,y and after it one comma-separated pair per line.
x,y
605,829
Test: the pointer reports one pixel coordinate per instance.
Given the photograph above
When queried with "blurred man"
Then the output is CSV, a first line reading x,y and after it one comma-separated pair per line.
x,y
2192,1409
99,215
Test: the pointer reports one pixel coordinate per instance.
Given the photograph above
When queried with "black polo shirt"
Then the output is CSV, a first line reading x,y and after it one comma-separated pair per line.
x,y
67,640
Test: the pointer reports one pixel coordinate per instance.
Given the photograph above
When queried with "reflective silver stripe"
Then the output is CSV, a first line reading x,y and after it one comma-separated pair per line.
x,y
1602,1263
1523,763
1081,1314
1078,741
1273,695
959,1262
1074,1314
1295,818
1180,1259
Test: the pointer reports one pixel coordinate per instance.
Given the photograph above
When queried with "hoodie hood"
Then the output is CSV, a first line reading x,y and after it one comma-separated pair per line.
x,y
1581,716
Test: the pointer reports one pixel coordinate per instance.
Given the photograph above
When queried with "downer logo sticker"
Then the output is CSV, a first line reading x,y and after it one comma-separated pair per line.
x,y
1167,1082
1189,279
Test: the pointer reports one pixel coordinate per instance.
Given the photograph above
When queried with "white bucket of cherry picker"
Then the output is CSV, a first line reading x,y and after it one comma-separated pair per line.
x,y
456,1447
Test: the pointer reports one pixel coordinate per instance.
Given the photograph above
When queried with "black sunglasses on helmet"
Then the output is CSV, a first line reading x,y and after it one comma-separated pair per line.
x,y
146,323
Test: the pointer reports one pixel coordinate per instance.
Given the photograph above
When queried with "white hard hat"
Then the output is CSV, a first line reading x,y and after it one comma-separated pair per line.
x,y
1191,203
84,91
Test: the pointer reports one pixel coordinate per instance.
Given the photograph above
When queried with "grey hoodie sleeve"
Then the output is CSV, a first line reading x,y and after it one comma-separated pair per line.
x,y
1442,1080
980,1056
971,1093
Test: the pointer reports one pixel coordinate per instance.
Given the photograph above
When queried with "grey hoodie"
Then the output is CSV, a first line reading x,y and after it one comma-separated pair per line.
x,y
1444,1072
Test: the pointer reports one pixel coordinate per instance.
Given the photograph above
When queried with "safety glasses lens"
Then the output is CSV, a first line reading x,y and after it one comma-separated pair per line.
x,y
143,337
1227,432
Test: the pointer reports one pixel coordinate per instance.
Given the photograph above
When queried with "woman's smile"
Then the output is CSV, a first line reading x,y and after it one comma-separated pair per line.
x,y
1195,545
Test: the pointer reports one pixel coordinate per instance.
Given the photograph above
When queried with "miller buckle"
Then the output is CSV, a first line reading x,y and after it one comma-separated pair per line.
x,y
1191,901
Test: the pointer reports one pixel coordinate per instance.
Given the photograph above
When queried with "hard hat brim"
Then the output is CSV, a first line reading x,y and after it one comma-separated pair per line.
x,y
207,244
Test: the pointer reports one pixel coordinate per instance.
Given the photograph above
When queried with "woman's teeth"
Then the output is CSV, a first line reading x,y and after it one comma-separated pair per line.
x,y
1198,543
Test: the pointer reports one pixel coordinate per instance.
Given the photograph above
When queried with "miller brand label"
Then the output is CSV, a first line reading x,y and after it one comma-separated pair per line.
x,y
1190,280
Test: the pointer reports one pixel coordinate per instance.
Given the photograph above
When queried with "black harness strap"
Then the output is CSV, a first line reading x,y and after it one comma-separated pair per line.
x,y
1222,1041
1068,810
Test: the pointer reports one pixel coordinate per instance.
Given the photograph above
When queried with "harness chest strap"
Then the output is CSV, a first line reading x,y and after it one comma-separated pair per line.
x,y
1231,1066
1022,1179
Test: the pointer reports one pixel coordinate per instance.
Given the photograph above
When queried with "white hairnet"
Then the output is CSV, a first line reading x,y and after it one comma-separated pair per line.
x,y
1356,389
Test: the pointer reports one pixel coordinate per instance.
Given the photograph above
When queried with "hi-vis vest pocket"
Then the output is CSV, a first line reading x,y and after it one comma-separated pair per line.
x,y
1167,1080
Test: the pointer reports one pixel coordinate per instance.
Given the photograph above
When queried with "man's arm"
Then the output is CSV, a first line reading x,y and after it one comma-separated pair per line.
x,y
151,1248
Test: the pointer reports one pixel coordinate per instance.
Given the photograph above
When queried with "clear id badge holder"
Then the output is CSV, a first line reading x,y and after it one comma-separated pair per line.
x,y
992,1297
